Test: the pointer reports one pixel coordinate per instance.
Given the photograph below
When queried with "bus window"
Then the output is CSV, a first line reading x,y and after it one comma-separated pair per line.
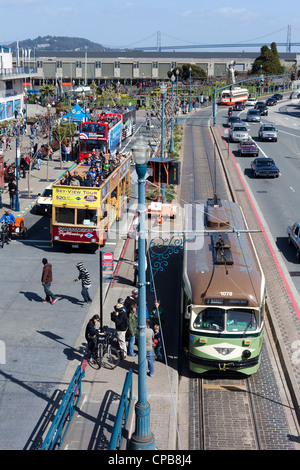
x,y
210,319
86,217
64,215
241,320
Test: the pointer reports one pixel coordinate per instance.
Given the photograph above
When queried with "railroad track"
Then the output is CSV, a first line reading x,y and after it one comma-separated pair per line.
x,y
233,411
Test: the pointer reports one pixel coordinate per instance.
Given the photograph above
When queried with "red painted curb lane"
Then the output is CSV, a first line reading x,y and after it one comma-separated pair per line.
x,y
265,235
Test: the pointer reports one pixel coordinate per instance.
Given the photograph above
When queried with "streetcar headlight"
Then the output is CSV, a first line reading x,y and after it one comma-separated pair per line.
x,y
93,240
56,238
246,354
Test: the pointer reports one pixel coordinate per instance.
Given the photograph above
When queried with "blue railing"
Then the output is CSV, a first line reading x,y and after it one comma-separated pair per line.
x,y
65,412
122,414
18,71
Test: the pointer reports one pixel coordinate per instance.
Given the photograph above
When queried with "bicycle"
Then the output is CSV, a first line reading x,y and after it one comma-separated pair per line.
x,y
106,355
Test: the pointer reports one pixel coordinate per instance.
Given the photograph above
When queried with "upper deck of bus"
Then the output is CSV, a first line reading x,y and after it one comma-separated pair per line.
x,y
72,193
207,276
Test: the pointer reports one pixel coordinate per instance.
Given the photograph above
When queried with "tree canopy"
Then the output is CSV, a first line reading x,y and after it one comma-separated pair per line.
x,y
184,72
268,62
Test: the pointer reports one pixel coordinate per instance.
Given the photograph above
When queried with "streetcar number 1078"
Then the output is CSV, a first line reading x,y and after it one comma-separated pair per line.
x,y
227,294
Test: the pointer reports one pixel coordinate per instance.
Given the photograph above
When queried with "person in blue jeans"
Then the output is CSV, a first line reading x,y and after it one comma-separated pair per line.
x,y
85,278
149,348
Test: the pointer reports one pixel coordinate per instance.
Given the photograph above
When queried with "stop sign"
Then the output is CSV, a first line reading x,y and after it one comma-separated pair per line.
x,y
108,257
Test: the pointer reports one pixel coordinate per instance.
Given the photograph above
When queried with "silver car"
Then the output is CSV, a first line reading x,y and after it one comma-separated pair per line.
x,y
238,132
253,115
267,132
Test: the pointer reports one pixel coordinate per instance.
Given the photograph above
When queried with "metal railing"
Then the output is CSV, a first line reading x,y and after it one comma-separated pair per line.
x,y
17,71
122,414
65,412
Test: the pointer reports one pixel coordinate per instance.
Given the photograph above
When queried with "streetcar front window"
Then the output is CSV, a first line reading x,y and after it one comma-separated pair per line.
x,y
241,320
210,319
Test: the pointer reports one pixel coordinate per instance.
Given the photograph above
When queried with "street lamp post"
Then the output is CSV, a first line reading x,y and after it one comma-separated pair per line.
x,y
190,90
49,139
163,90
177,73
142,438
17,207
172,116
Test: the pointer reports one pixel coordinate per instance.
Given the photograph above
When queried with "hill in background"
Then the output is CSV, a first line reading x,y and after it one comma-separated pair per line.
x,y
58,43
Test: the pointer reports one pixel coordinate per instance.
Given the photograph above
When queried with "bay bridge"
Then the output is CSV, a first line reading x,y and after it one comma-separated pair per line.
x,y
288,44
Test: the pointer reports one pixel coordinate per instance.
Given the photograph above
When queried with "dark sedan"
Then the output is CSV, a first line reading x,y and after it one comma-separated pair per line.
x,y
271,102
263,166
263,109
239,106
233,119
277,96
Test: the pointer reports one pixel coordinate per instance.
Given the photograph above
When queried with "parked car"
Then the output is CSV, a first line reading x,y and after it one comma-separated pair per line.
x,y
271,102
251,102
238,132
294,237
248,147
263,109
43,203
238,106
232,120
277,96
267,132
262,166
253,115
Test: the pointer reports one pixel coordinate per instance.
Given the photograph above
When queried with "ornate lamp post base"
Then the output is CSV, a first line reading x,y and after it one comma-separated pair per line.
x,y
143,438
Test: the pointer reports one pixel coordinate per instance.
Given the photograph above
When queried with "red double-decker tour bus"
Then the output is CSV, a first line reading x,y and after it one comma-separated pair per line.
x,y
104,135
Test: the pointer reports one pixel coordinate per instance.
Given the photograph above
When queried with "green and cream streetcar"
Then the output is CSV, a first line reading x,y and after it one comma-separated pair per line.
x,y
223,293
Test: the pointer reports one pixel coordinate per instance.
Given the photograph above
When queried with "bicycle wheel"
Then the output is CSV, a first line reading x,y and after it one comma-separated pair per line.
x,y
111,358
94,362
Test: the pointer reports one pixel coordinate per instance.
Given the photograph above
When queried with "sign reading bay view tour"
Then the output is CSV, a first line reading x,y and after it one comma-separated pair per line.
x,y
82,216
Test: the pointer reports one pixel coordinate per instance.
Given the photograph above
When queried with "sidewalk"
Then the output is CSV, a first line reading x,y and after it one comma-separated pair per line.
x,y
92,426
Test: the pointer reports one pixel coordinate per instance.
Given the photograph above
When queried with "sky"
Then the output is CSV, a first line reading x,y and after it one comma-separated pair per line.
x,y
135,23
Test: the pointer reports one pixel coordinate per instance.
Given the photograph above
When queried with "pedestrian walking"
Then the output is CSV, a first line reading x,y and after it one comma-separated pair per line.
x,y
1,192
149,348
132,329
47,278
12,188
119,316
85,278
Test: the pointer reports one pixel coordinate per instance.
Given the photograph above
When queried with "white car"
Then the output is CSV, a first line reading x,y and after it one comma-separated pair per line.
x,y
43,203
251,102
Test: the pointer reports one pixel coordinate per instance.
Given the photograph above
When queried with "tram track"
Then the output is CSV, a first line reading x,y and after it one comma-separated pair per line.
x,y
231,411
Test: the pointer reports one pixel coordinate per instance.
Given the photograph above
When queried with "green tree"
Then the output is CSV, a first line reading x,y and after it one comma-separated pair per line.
x,y
47,91
184,72
268,62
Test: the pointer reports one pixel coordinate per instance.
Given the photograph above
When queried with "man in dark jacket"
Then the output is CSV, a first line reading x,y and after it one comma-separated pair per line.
x,y
119,316
91,334
47,279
